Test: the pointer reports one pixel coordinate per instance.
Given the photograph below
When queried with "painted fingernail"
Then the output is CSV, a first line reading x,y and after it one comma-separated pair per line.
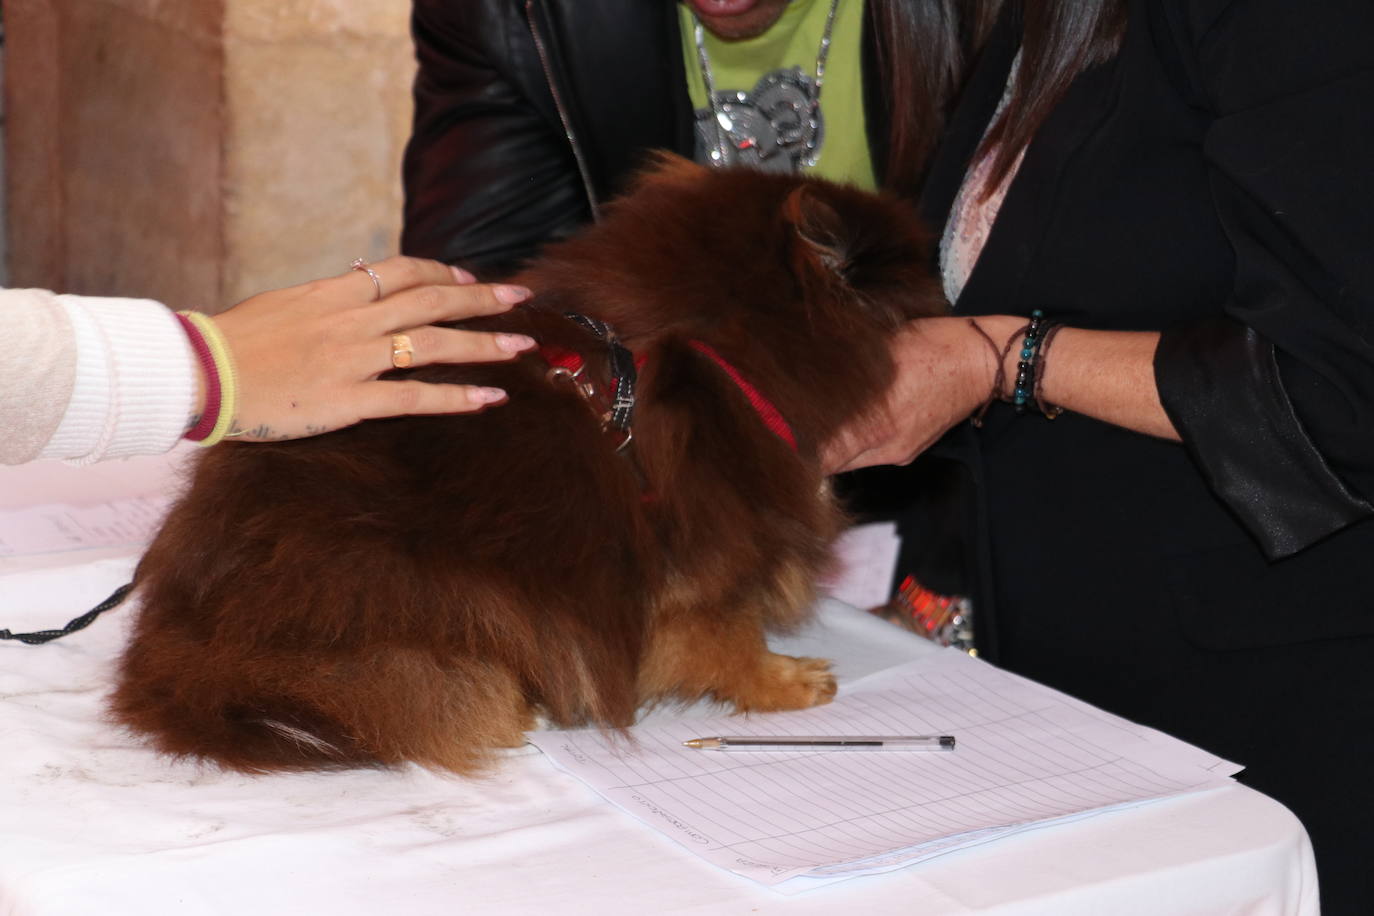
x,y
462,277
488,395
511,294
514,343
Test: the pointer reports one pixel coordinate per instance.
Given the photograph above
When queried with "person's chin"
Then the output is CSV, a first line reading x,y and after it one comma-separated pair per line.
x,y
736,19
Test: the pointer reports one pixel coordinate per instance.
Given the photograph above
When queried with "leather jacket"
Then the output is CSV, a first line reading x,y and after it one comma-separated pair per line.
x,y
508,150
530,114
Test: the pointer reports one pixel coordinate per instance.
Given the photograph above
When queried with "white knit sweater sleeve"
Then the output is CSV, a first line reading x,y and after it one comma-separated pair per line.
x,y
135,381
37,370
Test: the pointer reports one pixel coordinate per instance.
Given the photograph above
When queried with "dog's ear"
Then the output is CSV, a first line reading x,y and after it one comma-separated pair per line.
x,y
820,245
861,249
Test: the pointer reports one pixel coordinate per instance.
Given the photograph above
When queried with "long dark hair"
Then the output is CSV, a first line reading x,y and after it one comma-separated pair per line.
x,y
1059,40
924,49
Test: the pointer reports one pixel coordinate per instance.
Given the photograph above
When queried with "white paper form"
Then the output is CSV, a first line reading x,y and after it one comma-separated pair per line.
x,y
1026,756
61,528
865,564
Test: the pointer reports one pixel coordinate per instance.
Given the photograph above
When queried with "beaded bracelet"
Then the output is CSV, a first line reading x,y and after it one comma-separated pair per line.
x,y
1025,368
221,381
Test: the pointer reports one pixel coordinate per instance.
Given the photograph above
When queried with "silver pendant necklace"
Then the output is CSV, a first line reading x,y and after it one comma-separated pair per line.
x,y
775,127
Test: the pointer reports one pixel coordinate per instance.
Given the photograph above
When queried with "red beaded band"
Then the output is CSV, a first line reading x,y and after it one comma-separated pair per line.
x,y
210,413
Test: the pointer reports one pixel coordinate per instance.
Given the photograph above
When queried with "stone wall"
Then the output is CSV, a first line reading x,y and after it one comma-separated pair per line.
x,y
4,245
197,151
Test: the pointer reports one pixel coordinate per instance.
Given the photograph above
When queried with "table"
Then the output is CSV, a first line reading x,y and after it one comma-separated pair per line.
x,y
92,822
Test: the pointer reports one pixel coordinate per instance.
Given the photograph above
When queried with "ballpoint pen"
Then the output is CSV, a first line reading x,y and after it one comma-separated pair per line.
x,y
824,743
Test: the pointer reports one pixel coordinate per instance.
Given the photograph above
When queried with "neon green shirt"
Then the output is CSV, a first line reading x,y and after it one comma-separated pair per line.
x,y
794,40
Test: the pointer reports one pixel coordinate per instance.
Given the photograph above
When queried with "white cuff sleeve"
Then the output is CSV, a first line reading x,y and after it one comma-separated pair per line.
x,y
135,381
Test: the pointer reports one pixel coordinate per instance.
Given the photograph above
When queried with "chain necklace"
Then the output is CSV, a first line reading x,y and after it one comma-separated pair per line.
x,y
776,127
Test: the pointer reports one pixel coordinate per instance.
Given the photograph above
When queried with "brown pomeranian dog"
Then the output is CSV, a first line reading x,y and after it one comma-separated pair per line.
x,y
421,589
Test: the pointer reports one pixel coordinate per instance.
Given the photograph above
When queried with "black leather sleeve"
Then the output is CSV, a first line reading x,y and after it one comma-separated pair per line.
x,y
1277,404
489,174
506,91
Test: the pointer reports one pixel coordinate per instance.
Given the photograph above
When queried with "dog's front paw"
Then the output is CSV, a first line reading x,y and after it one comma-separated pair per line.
x,y
785,682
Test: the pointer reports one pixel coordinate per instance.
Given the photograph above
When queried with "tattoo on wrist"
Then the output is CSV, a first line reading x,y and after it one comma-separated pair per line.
x,y
264,433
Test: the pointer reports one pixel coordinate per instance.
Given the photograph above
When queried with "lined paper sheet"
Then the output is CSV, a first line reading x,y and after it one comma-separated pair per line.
x,y
1027,756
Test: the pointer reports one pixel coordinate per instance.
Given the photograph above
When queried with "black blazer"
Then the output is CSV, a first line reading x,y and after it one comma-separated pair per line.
x,y
1214,182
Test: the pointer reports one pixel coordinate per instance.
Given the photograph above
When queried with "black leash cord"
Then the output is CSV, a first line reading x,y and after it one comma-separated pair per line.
x,y
41,636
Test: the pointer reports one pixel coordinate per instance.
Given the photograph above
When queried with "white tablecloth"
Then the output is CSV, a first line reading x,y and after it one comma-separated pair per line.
x,y
91,822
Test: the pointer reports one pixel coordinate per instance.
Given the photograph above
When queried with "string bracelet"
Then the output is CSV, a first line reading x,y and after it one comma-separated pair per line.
x,y
1049,411
1024,389
999,378
221,380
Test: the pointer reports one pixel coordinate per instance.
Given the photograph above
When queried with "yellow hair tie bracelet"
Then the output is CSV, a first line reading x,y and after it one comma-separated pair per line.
x,y
224,368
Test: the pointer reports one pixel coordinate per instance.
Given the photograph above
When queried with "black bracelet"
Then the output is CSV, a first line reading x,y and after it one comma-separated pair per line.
x,y
1050,411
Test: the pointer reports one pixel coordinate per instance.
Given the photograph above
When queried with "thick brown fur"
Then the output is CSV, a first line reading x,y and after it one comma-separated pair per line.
x,y
421,589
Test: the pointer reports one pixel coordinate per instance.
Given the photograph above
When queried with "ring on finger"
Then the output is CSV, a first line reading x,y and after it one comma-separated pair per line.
x,y
402,351
360,264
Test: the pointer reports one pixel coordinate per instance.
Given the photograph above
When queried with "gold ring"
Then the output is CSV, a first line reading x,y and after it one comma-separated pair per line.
x,y
402,353
360,264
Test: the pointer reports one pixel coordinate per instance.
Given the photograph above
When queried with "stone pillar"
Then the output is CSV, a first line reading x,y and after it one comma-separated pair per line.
x,y
198,152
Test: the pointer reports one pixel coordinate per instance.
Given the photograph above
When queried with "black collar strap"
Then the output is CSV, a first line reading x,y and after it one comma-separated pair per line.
x,y
615,408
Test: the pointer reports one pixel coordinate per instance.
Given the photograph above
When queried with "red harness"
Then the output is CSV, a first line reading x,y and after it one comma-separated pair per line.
x,y
769,414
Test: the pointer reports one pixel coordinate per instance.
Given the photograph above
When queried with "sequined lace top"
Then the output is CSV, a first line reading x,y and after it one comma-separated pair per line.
x,y
972,216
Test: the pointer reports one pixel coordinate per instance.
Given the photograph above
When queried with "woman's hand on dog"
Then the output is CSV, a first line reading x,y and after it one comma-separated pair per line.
x,y
308,357
945,371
